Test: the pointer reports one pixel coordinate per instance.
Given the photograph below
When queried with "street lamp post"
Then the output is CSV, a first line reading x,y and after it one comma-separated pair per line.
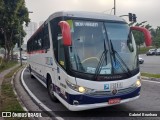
x,y
114,7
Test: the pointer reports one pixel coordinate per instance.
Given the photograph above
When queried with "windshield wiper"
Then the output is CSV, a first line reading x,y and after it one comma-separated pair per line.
x,y
102,59
79,64
114,53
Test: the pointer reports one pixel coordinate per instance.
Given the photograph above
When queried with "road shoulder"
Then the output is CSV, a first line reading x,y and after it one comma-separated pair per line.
x,y
23,97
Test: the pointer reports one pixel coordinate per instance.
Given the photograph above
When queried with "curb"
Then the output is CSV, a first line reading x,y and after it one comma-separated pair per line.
x,y
38,102
16,94
150,78
14,90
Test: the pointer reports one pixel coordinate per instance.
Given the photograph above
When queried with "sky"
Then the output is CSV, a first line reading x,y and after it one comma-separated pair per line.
x,y
145,10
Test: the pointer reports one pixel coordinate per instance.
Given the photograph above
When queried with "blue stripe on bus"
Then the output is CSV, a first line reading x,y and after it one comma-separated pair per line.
x,y
84,99
88,99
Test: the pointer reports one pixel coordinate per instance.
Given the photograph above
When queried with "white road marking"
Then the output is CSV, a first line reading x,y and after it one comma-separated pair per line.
x,y
35,98
151,81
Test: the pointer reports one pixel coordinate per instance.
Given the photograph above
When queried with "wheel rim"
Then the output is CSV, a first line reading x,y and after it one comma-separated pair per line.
x,y
51,90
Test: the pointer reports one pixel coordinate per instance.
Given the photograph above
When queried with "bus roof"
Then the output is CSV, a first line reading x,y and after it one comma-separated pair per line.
x,y
89,15
81,14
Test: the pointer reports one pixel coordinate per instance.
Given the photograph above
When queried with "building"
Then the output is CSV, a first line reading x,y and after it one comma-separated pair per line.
x,y
30,29
40,23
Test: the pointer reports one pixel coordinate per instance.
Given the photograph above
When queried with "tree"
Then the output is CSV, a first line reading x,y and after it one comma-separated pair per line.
x,y
1,40
1,30
139,37
14,15
156,37
155,33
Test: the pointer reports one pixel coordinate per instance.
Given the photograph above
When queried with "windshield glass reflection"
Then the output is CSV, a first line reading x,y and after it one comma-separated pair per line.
x,y
90,41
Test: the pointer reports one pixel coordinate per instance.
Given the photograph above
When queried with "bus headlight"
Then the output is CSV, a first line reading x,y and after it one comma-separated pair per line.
x,y
77,88
138,83
81,89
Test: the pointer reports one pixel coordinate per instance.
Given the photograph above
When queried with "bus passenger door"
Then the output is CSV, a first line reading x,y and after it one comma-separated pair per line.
x,y
60,64
61,67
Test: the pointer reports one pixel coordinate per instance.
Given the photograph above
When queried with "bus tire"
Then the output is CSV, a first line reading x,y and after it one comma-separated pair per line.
x,y
30,70
50,90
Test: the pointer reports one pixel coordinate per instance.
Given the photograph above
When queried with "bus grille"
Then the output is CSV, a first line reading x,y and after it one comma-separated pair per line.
x,y
109,93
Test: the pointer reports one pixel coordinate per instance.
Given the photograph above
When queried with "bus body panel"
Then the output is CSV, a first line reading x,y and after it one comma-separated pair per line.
x,y
98,105
101,85
89,15
91,101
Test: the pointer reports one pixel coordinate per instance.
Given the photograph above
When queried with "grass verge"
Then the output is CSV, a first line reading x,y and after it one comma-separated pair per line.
x,y
150,75
6,65
9,101
144,50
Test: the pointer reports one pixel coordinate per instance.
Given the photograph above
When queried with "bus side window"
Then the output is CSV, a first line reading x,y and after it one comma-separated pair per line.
x,y
46,42
57,42
39,42
34,44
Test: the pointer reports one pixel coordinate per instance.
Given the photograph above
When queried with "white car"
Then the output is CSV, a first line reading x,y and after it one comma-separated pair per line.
x,y
24,57
158,51
151,52
141,61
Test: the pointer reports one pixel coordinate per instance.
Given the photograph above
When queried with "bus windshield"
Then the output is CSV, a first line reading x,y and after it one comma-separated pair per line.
x,y
104,47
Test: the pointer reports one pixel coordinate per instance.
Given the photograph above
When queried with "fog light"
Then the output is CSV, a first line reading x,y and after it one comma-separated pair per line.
x,y
75,102
81,89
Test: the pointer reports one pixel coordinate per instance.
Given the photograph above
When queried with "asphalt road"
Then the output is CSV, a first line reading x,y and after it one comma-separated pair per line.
x,y
151,64
149,101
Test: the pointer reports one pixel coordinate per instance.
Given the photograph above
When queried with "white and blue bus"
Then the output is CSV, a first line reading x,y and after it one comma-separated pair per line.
x,y
86,60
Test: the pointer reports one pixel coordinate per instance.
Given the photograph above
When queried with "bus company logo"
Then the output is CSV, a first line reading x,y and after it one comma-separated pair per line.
x,y
114,92
106,86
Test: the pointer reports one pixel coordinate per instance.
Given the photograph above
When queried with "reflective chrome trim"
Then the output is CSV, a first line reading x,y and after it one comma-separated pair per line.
x,y
109,93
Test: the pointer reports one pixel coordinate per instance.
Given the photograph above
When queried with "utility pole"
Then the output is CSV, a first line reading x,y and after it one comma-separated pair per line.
x,y
114,7
20,49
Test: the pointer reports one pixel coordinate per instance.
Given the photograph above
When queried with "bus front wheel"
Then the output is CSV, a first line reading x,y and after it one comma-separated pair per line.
x,y
50,90
30,70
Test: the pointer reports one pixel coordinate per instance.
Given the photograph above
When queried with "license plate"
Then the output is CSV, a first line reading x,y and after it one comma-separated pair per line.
x,y
114,101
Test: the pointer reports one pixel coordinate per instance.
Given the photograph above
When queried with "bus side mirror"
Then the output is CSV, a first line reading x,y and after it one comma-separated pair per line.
x,y
66,33
147,35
